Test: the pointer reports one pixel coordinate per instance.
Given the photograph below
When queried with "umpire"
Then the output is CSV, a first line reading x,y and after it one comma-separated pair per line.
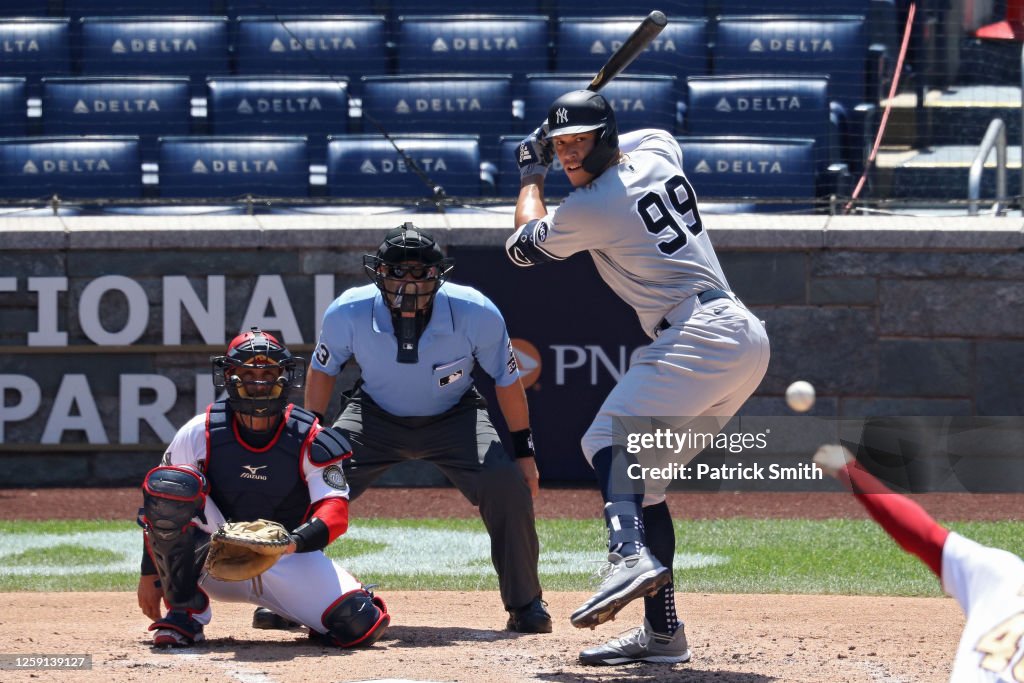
x,y
416,339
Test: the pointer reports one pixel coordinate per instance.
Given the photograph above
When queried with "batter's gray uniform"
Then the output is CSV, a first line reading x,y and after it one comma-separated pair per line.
x,y
640,222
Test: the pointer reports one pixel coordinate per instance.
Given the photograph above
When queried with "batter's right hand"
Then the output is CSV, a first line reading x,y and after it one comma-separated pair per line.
x,y
150,595
535,153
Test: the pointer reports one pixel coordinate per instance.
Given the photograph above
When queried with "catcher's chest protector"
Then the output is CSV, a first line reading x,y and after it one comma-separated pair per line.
x,y
248,484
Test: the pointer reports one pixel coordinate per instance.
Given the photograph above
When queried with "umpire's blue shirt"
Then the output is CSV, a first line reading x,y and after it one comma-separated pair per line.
x,y
465,328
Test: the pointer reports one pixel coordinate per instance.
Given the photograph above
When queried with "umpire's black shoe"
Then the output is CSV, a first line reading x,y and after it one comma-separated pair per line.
x,y
267,620
531,618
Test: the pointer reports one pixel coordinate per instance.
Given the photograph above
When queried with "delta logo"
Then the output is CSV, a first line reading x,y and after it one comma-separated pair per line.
x,y
528,358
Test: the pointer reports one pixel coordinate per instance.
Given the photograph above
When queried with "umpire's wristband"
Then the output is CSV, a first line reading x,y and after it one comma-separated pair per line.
x,y
522,443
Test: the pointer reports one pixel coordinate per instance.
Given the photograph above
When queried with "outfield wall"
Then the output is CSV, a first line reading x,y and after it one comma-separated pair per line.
x,y
108,322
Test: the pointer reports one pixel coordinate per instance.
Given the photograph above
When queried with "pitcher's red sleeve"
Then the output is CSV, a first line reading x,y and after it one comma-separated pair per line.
x,y
903,519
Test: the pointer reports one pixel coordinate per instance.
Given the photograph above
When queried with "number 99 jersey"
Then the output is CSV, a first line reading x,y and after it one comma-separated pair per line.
x,y
640,221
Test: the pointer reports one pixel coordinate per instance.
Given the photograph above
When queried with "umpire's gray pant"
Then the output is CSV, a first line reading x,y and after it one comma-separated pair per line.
x,y
464,445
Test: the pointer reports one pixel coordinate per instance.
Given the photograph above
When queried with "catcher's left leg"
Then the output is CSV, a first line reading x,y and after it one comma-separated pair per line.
x,y
172,496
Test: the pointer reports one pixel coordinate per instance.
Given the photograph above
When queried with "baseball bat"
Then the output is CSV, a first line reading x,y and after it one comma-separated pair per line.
x,y
641,37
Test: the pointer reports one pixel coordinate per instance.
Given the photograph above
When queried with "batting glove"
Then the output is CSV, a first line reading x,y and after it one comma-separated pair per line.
x,y
535,153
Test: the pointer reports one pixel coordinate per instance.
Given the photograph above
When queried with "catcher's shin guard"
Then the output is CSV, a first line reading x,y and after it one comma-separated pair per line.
x,y
172,497
357,619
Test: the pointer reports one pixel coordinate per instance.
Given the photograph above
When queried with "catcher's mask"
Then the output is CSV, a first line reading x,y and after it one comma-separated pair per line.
x,y
408,269
257,372
582,111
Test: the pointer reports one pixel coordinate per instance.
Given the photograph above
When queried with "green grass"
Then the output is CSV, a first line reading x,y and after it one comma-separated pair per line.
x,y
757,556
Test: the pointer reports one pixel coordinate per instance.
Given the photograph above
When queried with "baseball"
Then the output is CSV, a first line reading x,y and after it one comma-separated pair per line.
x,y
800,396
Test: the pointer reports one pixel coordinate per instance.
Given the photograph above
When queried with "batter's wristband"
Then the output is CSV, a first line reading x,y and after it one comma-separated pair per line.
x,y
522,443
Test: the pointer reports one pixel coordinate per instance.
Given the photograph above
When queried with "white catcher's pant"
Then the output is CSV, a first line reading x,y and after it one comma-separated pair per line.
x,y
300,587
705,366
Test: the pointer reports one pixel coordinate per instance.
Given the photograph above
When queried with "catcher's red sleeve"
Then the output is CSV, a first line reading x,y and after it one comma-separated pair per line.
x,y
334,513
903,519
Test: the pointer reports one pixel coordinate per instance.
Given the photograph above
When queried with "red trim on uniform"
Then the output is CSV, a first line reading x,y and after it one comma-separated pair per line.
x,y
333,512
180,468
273,442
209,449
903,519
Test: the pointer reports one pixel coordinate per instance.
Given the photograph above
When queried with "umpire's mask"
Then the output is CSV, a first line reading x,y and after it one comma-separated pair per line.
x,y
408,269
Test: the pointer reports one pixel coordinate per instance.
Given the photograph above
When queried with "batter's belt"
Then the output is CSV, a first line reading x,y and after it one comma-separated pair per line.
x,y
685,309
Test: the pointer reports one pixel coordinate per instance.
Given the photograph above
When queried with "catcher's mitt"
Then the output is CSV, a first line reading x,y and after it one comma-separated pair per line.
x,y
242,550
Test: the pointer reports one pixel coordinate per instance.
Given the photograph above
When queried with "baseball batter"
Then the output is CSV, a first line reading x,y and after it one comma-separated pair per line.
x,y
635,212
253,456
988,583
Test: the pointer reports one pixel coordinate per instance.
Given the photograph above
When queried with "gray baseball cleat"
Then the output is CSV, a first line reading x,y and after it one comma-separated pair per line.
x,y
623,580
640,644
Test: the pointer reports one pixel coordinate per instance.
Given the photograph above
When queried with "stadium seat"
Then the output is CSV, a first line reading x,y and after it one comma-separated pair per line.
x,y
291,7
584,44
743,168
620,8
164,46
128,8
12,107
369,166
24,8
70,167
34,48
836,46
450,104
231,167
315,106
639,101
147,107
556,185
771,106
473,44
323,45
400,8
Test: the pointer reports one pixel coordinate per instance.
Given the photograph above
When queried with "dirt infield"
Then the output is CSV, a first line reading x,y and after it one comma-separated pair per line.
x,y
449,636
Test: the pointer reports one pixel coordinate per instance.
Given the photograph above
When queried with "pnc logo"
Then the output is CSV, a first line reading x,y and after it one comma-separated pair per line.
x,y
528,358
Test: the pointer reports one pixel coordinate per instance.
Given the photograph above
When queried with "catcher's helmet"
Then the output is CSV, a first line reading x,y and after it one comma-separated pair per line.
x,y
581,111
408,268
265,392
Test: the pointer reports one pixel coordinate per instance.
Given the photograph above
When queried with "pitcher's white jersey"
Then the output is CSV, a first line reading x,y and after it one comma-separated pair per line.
x,y
989,585
640,222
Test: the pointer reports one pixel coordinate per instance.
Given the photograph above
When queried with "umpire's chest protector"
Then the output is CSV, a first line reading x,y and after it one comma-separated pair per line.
x,y
266,483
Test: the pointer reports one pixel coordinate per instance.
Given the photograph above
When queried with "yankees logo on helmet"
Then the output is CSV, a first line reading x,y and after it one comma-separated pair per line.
x,y
562,115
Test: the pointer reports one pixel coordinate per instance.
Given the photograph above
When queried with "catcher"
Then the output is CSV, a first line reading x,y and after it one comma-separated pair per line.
x,y
265,480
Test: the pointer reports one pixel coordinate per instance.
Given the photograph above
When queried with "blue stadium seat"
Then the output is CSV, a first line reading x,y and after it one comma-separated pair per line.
x,y
584,44
836,46
741,168
70,167
638,101
450,104
225,167
323,45
24,8
629,8
368,166
165,46
35,47
147,107
473,44
291,7
556,185
315,106
12,107
771,106
400,8
127,8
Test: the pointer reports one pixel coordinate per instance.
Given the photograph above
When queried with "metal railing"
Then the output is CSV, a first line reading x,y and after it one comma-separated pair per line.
x,y
995,138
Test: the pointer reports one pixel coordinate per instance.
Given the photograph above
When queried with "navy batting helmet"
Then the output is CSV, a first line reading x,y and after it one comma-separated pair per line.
x,y
265,392
582,111
409,267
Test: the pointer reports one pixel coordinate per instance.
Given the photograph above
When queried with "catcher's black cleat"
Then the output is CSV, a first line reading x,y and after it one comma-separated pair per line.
x,y
531,618
268,620
624,579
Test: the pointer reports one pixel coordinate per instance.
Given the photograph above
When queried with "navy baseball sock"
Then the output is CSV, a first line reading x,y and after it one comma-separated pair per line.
x,y
660,609
622,500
